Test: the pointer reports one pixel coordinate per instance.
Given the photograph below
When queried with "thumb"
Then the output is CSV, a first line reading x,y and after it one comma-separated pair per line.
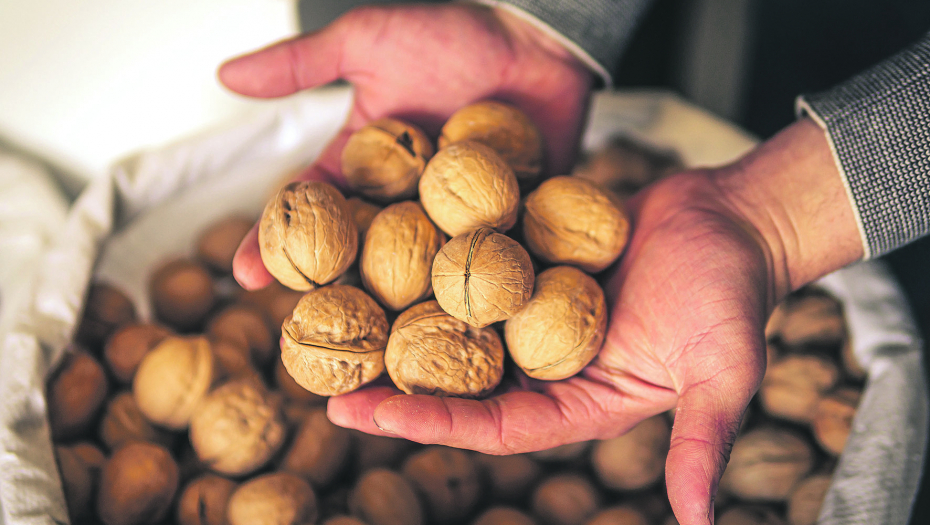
x,y
707,422
289,66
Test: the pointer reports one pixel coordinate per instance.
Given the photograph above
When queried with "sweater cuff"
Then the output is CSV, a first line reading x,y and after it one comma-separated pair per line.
x,y
878,127
595,31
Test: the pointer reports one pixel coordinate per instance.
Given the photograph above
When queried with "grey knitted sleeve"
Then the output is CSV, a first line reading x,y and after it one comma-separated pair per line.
x,y
598,30
878,124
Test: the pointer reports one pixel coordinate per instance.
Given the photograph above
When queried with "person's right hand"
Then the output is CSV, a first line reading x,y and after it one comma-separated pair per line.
x,y
419,63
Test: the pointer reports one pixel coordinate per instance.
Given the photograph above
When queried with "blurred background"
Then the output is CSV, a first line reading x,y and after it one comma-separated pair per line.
x,y
83,84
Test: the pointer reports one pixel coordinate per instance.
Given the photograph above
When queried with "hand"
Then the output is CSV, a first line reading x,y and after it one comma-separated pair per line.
x,y
419,63
711,253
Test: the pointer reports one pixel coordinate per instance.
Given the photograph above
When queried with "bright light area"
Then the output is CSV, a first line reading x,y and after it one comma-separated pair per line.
x,y
85,83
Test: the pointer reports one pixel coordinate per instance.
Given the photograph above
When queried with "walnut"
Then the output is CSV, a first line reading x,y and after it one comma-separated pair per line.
x,y
203,501
766,463
247,327
793,386
561,328
123,422
833,417
137,485
232,360
77,391
384,160
105,310
447,479
851,364
318,450
182,294
362,213
565,499
278,498
636,459
334,341
217,244
307,236
503,516
749,515
569,220
341,519
807,498
384,497
619,515
172,379
503,128
291,389
126,348
237,428
809,320
79,479
466,186
378,451
398,254
482,277
569,453
624,166
509,478
431,352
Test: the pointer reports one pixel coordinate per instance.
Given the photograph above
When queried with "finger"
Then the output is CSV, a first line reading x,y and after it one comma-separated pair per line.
x,y
354,410
706,424
248,268
289,66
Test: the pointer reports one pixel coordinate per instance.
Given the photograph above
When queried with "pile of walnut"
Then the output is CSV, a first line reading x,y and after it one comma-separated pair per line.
x,y
191,418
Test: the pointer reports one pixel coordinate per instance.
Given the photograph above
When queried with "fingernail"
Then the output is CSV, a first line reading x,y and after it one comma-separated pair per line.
x,y
382,429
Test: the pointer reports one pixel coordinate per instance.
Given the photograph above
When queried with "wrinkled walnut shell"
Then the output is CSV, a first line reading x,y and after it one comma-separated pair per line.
x,y
307,236
482,277
569,220
237,428
278,498
334,341
467,186
503,128
398,254
561,328
172,380
431,352
384,159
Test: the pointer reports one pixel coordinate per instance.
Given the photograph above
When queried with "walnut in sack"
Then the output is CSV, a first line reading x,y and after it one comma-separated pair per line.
x,y
237,428
126,348
318,450
561,328
123,422
398,254
384,159
384,497
182,294
137,485
279,498
569,220
334,341
482,277
833,417
793,386
809,320
807,498
503,516
172,380
467,186
307,236
766,463
431,352
77,391
503,128
105,310
619,515
510,477
203,501
247,327
565,499
447,479
636,459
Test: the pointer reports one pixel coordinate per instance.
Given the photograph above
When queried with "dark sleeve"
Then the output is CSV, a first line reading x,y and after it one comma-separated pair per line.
x,y
878,124
596,31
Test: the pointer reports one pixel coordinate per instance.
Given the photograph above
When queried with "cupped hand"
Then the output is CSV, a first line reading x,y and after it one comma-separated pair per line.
x,y
688,302
419,63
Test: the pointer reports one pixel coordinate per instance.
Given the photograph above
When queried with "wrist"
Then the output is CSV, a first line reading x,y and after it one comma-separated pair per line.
x,y
792,195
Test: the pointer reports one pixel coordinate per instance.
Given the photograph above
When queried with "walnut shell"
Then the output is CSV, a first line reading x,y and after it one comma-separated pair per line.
x,y
291,389
126,348
482,277
750,515
217,244
172,380
278,498
77,391
203,501
384,160
565,499
431,352
398,254
509,478
766,463
807,498
182,294
384,497
362,213
137,485
466,186
78,480
503,516
447,479
793,386
123,422
237,428
378,451
503,128
318,450
619,515
636,459
307,236
833,417
334,341
561,328
569,220
105,310
247,327
809,320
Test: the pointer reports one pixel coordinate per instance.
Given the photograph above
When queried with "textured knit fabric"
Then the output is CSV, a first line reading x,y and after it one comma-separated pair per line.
x,y
879,128
600,28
